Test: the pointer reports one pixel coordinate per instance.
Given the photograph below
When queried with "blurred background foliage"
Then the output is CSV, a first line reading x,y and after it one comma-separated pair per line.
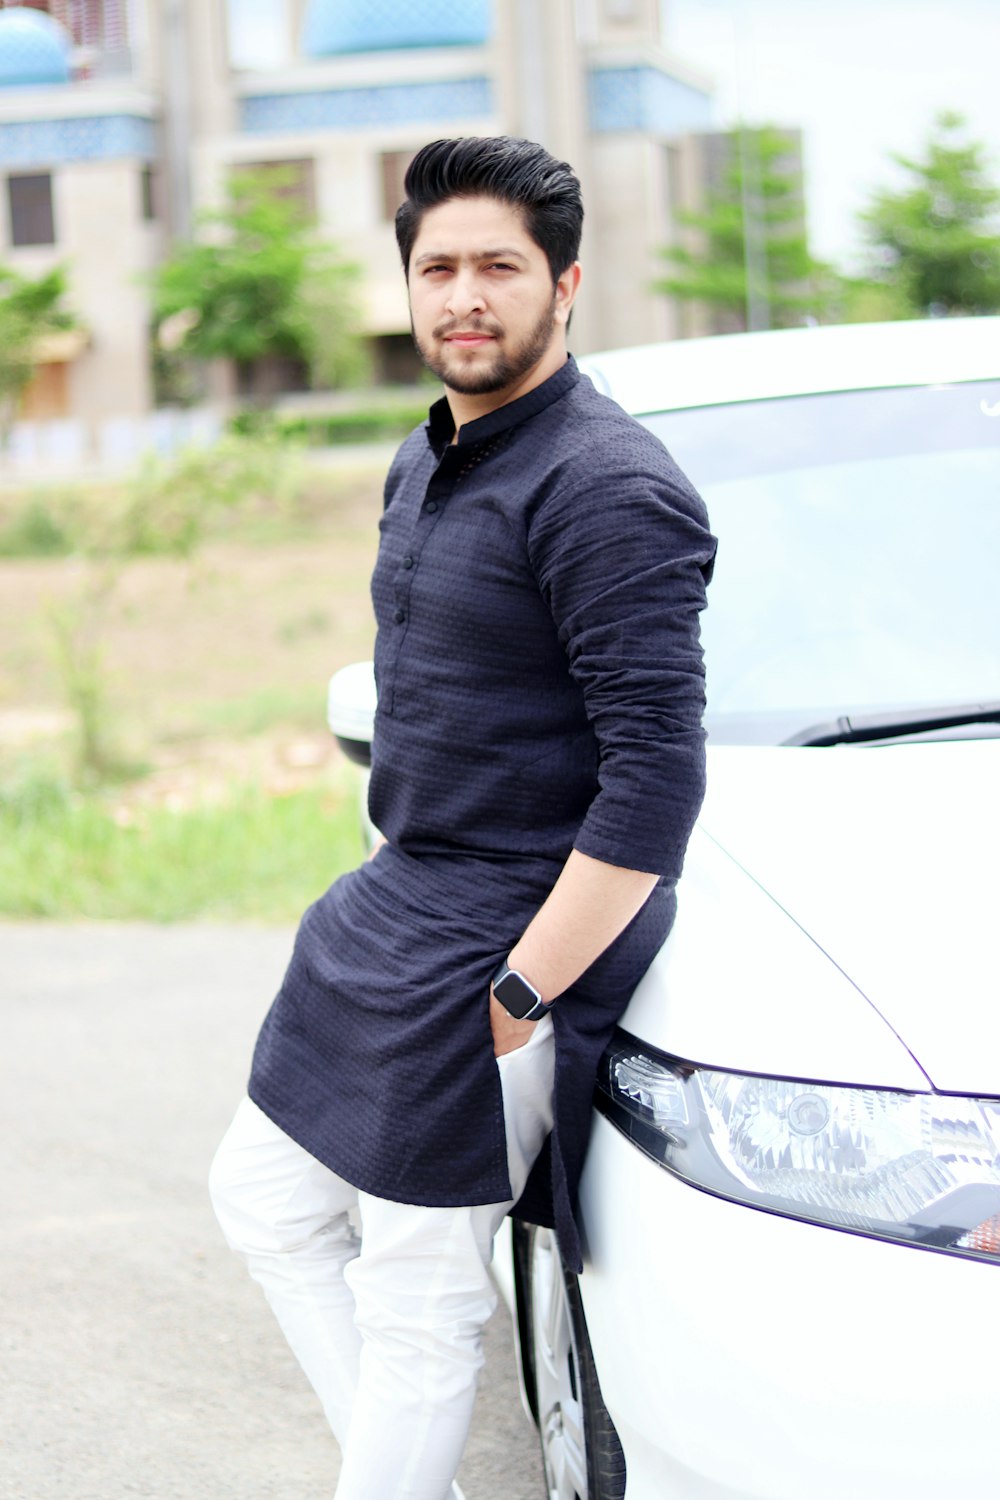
x,y
933,243
750,245
256,281
166,636
932,246
31,308
175,632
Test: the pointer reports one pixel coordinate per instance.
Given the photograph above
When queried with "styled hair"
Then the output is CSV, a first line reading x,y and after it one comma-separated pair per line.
x,y
504,167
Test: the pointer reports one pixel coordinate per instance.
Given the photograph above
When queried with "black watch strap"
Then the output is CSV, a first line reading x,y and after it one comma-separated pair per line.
x,y
517,995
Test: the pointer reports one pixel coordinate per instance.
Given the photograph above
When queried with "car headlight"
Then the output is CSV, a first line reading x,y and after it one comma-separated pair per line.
x,y
923,1169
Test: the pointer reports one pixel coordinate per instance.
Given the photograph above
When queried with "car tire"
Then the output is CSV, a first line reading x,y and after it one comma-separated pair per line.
x,y
581,1453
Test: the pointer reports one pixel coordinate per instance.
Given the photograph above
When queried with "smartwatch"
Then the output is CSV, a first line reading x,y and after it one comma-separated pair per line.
x,y
518,998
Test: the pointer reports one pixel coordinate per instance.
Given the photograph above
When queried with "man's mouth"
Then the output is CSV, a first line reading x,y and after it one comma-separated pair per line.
x,y
468,340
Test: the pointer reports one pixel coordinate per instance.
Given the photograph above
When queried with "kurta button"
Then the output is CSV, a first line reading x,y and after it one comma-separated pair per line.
x,y
407,562
400,616
431,507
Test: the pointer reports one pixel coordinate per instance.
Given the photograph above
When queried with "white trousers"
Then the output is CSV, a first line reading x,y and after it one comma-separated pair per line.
x,y
387,1325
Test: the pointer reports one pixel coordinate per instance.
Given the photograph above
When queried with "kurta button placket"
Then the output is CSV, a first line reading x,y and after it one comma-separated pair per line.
x,y
440,485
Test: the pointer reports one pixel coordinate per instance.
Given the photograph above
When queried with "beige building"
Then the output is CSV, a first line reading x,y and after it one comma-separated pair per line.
x,y
119,119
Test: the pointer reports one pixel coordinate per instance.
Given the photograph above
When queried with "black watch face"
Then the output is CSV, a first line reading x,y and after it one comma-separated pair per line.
x,y
516,997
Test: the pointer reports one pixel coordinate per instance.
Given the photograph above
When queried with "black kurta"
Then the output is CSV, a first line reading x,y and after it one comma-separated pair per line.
x,y
540,688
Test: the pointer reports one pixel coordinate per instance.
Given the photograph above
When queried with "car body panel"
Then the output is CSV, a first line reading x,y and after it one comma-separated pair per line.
x,y
887,857
739,985
834,924
746,1356
791,362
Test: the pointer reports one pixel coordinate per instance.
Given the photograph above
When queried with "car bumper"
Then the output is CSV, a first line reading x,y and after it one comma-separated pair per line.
x,y
744,1356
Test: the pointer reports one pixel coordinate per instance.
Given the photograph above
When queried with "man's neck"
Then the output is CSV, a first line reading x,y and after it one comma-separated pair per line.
x,y
466,408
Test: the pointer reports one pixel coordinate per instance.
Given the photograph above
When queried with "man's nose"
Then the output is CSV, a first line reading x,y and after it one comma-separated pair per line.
x,y
465,294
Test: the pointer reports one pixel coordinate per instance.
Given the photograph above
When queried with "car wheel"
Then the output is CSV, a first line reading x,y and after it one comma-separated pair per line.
x,y
581,1453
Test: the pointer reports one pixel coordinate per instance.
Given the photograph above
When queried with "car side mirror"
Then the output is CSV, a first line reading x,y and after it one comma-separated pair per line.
x,y
350,710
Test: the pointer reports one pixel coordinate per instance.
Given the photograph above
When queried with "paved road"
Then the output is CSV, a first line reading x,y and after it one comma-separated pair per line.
x,y
136,1358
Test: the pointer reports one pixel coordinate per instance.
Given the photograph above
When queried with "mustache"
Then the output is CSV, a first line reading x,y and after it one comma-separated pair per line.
x,y
468,325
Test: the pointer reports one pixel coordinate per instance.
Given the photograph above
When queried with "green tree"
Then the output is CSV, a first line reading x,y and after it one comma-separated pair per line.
x,y
752,263
29,310
934,241
257,282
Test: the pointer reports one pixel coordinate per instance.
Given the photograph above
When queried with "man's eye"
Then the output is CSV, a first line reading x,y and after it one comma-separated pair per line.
x,y
501,265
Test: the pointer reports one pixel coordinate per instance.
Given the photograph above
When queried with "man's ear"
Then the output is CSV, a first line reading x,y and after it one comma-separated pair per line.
x,y
566,289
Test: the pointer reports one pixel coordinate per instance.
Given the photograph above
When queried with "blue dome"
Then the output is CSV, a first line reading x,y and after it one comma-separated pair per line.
x,y
337,26
33,48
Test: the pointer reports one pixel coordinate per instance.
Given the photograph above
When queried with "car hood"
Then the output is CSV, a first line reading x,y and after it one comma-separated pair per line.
x,y
885,858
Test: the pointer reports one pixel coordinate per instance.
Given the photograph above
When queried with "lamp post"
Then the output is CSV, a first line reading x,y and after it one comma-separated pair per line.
x,y
758,302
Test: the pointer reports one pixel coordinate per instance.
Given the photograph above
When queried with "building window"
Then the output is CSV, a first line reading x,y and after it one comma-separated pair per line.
x,y
260,34
91,23
393,165
30,203
47,396
294,180
147,190
674,195
395,359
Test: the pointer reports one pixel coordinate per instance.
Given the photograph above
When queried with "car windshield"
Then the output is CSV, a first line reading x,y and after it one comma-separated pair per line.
x,y
859,537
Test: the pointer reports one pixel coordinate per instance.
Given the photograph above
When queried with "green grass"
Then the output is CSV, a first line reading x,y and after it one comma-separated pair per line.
x,y
65,855
256,488
299,707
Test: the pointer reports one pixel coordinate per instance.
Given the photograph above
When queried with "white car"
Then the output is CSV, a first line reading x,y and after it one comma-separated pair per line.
x,y
791,1200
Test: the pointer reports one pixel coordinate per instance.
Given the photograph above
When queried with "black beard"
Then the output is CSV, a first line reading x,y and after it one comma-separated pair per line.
x,y
506,369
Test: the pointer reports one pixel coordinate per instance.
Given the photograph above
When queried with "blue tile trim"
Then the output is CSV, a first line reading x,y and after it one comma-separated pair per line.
x,y
360,109
82,138
644,98
338,26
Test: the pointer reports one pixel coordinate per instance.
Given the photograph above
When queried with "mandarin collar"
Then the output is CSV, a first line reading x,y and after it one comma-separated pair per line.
x,y
441,423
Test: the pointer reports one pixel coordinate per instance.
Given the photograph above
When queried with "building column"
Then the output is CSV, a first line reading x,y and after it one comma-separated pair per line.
x,y
542,89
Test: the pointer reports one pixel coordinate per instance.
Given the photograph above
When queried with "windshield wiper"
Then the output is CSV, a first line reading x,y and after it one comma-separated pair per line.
x,y
857,728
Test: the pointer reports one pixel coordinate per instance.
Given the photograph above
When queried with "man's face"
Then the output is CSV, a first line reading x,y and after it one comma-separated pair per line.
x,y
482,303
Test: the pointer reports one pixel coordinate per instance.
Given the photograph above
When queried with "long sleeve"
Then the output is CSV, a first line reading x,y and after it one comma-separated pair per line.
x,y
623,564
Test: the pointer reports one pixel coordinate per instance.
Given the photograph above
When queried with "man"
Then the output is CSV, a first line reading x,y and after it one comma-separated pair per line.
x,y
537,766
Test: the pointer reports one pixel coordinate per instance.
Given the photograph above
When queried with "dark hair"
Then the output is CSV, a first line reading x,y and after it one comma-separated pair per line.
x,y
514,171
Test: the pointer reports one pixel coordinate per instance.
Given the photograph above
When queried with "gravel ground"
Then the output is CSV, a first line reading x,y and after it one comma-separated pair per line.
x,y
137,1357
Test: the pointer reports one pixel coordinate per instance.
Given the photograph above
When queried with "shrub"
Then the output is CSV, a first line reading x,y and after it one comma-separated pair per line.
x,y
35,530
326,429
